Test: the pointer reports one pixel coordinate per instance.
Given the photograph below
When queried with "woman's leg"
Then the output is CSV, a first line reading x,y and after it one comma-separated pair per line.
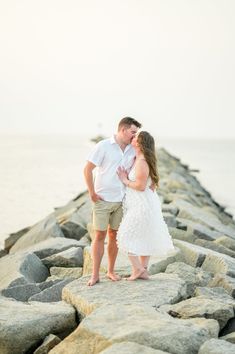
x,y
144,260
137,269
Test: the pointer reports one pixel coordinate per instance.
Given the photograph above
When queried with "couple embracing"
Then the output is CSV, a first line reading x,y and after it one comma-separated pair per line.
x,y
125,203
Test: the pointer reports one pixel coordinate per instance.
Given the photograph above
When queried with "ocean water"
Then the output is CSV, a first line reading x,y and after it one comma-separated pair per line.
x,y
39,173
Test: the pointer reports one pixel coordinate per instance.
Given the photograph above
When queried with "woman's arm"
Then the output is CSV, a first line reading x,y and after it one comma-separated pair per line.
x,y
141,174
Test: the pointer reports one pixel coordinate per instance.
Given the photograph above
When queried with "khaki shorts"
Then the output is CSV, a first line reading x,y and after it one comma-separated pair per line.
x,y
107,213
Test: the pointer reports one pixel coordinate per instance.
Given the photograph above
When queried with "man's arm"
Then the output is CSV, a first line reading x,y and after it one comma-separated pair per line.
x,y
89,181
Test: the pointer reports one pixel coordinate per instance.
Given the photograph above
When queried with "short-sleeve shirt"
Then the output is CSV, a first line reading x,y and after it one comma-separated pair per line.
x,y
108,156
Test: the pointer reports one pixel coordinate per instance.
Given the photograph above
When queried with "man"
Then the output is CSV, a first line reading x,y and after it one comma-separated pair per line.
x,y
108,191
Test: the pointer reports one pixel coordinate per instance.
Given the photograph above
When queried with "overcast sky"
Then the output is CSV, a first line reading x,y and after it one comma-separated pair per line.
x,y
72,66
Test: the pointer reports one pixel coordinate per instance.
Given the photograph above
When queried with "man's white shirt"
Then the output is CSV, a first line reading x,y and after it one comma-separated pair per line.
x,y
108,156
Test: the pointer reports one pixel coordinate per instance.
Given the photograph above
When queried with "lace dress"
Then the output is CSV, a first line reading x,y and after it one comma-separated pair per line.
x,y
143,230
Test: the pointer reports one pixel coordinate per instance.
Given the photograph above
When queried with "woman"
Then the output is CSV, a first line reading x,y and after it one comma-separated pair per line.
x,y
143,231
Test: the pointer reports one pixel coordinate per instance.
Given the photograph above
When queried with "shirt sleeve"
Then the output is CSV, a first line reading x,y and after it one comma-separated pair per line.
x,y
97,155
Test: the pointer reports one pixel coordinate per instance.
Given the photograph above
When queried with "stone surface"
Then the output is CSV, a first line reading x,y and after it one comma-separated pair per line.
x,y
52,246
63,272
219,263
73,257
229,337
217,346
227,282
227,242
192,276
215,247
73,230
23,326
145,326
49,342
192,254
20,269
130,348
159,289
43,230
52,294
21,292
201,306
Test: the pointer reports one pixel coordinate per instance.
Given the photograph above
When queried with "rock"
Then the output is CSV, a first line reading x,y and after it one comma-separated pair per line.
x,y
160,289
219,263
3,253
23,326
73,257
227,282
158,265
198,230
73,230
170,220
192,254
62,272
53,245
168,208
21,269
217,346
229,337
145,326
49,342
130,348
201,306
192,276
226,242
217,293
180,234
52,294
215,247
43,230
13,237
189,211
21,292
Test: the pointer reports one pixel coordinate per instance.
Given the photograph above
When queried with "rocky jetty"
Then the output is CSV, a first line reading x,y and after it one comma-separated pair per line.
x,y
186,307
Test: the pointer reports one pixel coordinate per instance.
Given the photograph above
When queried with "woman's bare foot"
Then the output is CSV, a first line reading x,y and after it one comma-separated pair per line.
x,y
93,281
137,274
144,275
113,276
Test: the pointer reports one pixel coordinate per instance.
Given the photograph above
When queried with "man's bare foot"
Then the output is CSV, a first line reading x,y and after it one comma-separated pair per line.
x,y
113,276
93,281
137,274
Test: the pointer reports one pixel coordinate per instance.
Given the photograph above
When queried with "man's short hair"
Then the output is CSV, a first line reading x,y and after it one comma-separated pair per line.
x,y
127,122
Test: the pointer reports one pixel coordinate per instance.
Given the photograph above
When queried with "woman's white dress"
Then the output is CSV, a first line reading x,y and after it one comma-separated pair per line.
x,y
143,230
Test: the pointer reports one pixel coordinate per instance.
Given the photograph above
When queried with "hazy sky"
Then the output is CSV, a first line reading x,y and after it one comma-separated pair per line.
x,y
77,66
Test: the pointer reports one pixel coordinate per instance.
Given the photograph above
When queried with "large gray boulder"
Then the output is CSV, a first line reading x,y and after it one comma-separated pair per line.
x,y
43,230
217,346
158,290
144,326
23,326
73,257
20,269
52,246
131,348
201,306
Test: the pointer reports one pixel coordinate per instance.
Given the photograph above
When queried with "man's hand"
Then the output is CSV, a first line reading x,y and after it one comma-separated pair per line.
x,y
95,197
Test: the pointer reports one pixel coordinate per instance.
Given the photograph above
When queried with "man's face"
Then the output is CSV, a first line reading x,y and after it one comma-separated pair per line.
x,y
129,133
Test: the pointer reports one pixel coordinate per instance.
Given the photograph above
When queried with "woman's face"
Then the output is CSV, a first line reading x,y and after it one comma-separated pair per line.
x,y
134,141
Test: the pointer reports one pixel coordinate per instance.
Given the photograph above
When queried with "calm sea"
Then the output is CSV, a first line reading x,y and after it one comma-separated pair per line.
x,y
39,173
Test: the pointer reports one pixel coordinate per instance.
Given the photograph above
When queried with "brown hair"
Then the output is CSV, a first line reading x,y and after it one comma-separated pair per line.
x,y
127,122
147,147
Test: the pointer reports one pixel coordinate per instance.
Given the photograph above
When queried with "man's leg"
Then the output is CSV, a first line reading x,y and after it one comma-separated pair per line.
x,y
97,251
112,254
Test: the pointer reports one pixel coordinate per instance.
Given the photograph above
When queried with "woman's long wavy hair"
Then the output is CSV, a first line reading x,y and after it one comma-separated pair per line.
x,y
147,147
